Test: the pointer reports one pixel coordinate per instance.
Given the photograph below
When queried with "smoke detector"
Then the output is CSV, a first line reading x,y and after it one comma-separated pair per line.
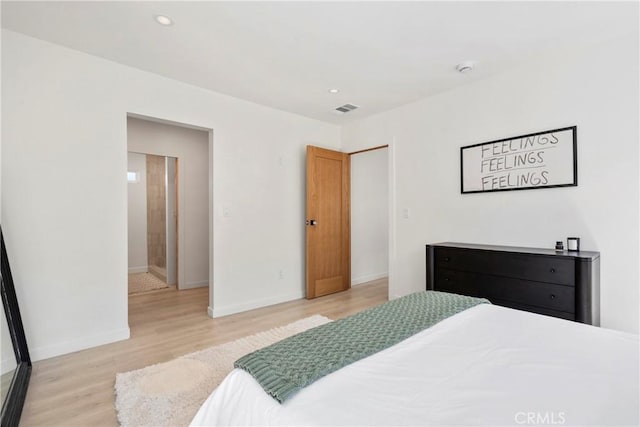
x,y
465,67
343,109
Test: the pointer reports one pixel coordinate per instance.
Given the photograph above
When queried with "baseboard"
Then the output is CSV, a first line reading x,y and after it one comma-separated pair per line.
x,y
192,285
368,278
45,352
134,270
250,305
162,275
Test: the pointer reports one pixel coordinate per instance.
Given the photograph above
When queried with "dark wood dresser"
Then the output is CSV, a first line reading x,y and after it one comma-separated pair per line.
x,y
556,283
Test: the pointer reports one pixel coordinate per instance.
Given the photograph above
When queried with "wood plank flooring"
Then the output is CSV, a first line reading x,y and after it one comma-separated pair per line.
x,y
77,389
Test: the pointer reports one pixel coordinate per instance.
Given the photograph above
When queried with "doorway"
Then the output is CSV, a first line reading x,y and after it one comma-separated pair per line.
x,y
369,215
178,166
152,220
347,224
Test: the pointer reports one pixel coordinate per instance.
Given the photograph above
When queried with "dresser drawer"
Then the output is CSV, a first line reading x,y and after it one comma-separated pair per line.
x,y
538,268
497,288
538,310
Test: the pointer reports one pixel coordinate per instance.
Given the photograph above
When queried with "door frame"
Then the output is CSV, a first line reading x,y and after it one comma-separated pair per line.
x,y
180,234
392,216
390,145
365,150
175,219
179,223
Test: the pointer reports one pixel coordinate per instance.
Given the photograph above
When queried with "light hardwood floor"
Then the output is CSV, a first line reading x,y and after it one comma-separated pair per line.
x,y
77,389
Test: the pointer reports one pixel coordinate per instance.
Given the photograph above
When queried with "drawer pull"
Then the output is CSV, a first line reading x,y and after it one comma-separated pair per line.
x,y
446,279
446,259
553,270
552,296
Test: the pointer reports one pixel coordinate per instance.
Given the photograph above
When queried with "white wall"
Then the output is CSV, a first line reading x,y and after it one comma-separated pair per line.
x,y
64,195
191,148
369,216
7,357
137,214
597,90
172,253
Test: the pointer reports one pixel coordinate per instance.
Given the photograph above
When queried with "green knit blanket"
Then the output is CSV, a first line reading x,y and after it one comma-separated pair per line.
x,y
289,365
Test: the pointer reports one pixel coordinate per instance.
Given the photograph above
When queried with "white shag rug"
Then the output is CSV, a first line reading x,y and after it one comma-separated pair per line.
x,y
143,282
170,393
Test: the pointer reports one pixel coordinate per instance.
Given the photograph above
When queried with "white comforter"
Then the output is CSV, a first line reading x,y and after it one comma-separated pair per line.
x,y
488,365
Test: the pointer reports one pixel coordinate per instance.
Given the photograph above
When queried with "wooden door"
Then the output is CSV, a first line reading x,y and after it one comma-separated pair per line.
x,y
328,222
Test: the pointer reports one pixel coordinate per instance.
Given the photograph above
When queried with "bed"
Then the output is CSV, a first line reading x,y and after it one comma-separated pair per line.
x,y
487,365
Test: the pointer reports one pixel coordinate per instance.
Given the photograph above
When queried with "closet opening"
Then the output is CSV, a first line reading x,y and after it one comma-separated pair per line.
x,y
370,215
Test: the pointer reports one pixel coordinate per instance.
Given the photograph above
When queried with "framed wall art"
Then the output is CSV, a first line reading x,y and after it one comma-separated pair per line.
x,y
537,160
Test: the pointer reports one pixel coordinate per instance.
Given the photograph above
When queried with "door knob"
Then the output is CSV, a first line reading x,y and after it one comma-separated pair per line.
x,y
311,222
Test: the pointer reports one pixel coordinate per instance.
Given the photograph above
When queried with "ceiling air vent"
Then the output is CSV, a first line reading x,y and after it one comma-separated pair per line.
x,y
345,108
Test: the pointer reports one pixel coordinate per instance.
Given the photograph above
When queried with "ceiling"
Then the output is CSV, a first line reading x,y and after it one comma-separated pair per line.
x,y
287,55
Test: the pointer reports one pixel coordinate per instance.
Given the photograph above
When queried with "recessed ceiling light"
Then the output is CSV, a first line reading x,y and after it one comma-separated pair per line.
x,y
334,90
466,66
163,20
